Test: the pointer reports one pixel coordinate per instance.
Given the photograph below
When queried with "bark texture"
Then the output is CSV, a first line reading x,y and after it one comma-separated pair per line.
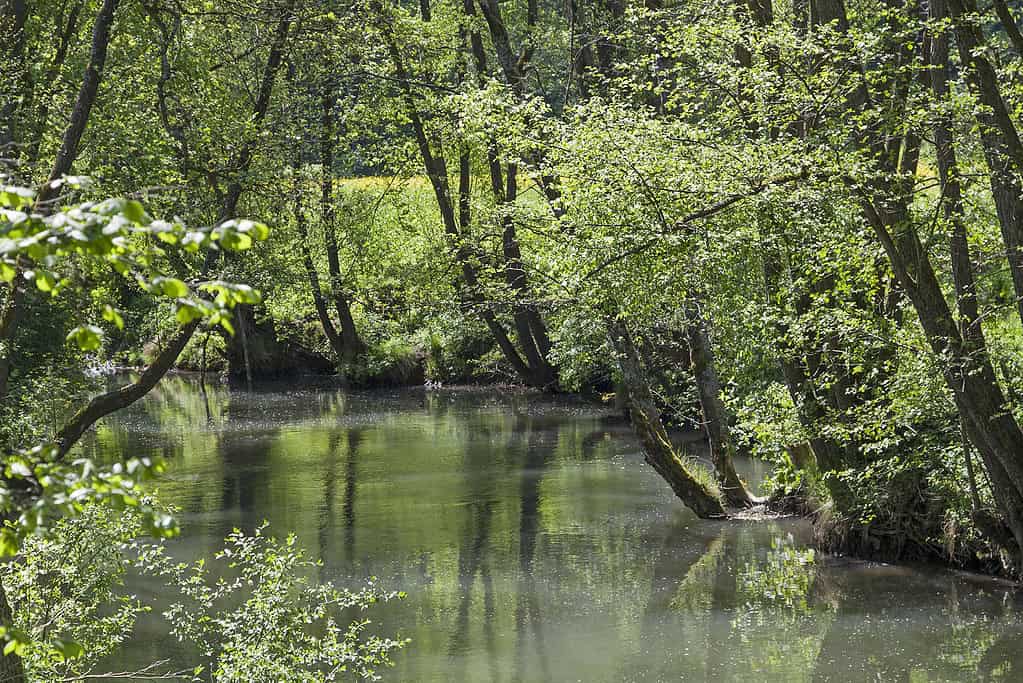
x,y
715,417
645,417
87,93
112,401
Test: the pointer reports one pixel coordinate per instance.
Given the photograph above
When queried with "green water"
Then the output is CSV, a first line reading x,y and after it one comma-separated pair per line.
x,y
535,545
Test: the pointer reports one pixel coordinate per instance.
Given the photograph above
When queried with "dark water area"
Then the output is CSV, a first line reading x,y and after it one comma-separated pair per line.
x,y
535,545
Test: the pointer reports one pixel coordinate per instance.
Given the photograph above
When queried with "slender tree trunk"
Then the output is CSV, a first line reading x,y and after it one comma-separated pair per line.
x,y
811,410
646,421
801,367
974,346
319,301
351,344
9,315
715,418
999,136
1009,24
79,119
992,428
951,190
436,171
41,116
529,327
534,340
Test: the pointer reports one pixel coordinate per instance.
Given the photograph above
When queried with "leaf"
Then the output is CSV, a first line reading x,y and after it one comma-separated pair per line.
x,y
16,197
68,649
87,337
170,287
187,312
111,314
45,281
134,212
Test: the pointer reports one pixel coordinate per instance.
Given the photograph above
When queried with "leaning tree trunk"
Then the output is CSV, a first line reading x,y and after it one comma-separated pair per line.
x,y
112,401
657,449
715,418
970,377
68,151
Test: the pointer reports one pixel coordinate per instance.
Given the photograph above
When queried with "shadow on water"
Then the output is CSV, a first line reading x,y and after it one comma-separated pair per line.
x,y
536,546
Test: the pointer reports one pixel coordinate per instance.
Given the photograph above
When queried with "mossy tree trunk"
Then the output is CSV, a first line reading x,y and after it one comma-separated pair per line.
x,y
646,421
715,417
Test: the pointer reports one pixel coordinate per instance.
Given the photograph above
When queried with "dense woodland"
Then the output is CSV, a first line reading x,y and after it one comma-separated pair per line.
x,y
796,226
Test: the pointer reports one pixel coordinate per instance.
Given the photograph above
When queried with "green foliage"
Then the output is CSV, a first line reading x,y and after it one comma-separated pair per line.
x,y
38,488
70,606
114,232
266,619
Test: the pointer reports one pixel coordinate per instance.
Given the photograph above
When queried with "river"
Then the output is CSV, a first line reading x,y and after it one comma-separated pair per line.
x,y
535,545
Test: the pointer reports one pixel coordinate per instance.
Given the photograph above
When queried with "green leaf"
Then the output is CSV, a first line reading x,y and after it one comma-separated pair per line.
x,y
187,312
45,281
87,337
134,212
111,314
169,287
68,649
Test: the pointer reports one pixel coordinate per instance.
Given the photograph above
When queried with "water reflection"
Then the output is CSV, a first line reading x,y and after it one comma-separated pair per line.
x,y
536,546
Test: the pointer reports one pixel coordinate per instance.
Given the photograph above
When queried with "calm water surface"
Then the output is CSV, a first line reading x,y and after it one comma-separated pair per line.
x,y
535,545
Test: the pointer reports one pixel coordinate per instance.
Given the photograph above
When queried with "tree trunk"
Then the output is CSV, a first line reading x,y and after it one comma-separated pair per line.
x,y
436,171
529,326
41,115
534,340
351,344
811,410
715,418
646,421
112,401
992,428
68,151
951,190
1009,24
319,301
9,315
1003,149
